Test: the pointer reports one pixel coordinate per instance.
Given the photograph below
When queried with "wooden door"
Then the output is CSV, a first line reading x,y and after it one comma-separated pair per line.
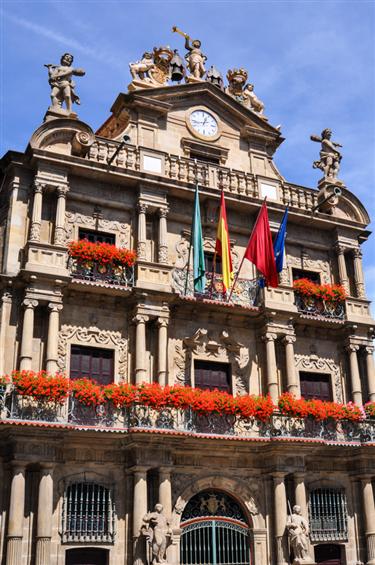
x,y
328,554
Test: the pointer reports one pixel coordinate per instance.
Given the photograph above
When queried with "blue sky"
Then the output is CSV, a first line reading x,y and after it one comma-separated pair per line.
x,y
312,63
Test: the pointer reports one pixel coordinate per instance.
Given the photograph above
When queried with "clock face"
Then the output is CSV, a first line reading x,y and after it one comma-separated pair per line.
x,y
203,123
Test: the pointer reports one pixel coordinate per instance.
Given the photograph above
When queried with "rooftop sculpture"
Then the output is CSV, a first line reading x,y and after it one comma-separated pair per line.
x,y
242,92
62,85
152,70
330,157
194,57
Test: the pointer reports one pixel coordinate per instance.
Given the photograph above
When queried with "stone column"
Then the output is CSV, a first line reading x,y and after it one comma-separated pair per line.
x,y
291,375
163,237
141,242
358,273
343,275
53,337
370,372
369,511
59,236
139,498
36,217
162,351
6,306
27,334
301,501
45,511
140,349
354,374
165,490
280,513
272,384
16,514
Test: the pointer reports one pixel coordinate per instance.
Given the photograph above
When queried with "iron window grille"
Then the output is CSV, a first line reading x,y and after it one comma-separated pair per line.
x,y
328,515
88,513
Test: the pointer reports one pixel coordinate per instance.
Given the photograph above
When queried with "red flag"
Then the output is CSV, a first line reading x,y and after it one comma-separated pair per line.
x,y
260,248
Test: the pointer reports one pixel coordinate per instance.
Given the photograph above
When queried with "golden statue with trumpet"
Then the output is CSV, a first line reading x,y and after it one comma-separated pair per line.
x,y
194,57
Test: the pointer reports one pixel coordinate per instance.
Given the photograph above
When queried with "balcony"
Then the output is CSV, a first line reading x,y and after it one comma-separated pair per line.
x,y
246,292
174,421
95,272
316,307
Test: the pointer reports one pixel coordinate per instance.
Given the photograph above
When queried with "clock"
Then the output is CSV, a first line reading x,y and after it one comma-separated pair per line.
x,y
203,123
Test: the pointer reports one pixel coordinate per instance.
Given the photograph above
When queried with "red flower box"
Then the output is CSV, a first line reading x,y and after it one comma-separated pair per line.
x,y
41,385
318,409
326,292
102,253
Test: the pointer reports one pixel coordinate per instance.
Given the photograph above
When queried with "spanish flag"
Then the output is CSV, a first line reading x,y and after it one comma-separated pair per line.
x,y
222,247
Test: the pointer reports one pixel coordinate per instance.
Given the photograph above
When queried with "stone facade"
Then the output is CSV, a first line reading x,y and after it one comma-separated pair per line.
x,y
141,193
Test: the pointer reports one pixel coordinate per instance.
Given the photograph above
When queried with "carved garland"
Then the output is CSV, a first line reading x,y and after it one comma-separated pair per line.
x,y
322,365
225,349
93,336
74,218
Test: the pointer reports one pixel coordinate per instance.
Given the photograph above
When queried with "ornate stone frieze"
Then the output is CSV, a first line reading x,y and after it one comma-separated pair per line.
x,y
322,365
73,219
305,261
225,349
92,336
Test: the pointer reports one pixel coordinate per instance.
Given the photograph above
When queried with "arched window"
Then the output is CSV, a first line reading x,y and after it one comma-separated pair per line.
x,y
328,514
88,513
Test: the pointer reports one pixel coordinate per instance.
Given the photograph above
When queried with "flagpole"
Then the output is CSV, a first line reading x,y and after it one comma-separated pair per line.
x,y
243,258
191,233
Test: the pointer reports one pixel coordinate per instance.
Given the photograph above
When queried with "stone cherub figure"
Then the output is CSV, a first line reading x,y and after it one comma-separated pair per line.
x,y
251,100
194,57
62,85
298,533
330,157
141,69
157,531
243,92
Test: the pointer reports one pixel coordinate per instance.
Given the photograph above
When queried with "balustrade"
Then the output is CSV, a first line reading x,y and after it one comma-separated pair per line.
x,y
94,271
318,307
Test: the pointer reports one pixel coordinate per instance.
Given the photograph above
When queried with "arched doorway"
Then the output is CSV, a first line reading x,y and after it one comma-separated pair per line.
x,y
328,554
215,531
86,556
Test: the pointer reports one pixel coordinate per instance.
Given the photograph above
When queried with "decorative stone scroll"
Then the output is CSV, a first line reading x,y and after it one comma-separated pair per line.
x,y
224,349
75,218
322,365
92,336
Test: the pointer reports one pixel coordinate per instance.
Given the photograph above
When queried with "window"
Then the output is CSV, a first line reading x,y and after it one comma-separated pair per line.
x,y
302,274
91,362
96,236
212,375
328,515
88,513
205,158
209,263
315,385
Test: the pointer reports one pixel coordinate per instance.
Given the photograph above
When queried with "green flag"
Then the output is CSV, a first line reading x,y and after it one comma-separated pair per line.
x,y
198,252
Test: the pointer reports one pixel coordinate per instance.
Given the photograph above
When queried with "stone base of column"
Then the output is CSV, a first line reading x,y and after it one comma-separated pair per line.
x,y
305,561
280,551
14,550
43,551
370,542
140,551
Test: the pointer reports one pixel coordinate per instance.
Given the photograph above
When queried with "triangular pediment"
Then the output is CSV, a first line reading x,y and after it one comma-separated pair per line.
x,y
170,99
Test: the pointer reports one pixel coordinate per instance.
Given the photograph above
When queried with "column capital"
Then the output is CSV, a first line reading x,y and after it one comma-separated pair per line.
x,y
357,253
351,347
139,469
165,470
369,349
7,297
53,307
30,303
278,476
269,336
62,190
289,339
162,322
163,212
18,466
39,186
47,467
339,248
140,319
142,207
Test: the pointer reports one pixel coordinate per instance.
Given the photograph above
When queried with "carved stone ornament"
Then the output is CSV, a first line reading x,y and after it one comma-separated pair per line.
x,y
305,261
322,365
242,92
152,70
92,336
225,349
73,219
330,156
60,78
156,529
81,143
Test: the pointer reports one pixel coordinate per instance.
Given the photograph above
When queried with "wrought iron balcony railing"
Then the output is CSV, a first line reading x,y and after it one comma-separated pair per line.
x,y
93,271
318,307
173,420
246,291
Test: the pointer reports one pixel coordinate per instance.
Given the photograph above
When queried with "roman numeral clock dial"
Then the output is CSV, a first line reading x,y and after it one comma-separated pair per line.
x,y
203,123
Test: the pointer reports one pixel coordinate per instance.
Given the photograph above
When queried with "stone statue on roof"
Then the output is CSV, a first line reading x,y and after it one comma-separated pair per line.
x,y
62,85
194,57
330,157
152,70
243,92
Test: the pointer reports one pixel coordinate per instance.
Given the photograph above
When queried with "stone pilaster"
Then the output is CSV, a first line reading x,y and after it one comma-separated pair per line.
x,y
27,334
44,521
141,240
140,349
162,324
343,275
358,273
369,511
292,383
165,490
272,383
369,349
280,517
36,217
60,236
163,237
53,337
139,511
5,311
16,514
355,379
